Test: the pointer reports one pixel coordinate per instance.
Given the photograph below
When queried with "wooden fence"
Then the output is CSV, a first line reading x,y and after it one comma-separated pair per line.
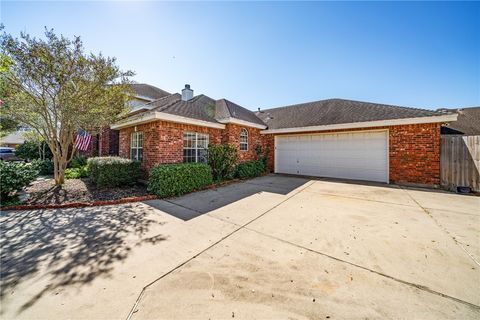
x,y
460,162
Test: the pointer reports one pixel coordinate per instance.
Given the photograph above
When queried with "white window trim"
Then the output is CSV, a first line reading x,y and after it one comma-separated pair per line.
x,y
242,130
196,143
132,135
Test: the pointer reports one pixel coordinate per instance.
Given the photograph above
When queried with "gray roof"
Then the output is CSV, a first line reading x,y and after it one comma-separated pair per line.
x,y
148,91
202,107
336,111
227,109
468,122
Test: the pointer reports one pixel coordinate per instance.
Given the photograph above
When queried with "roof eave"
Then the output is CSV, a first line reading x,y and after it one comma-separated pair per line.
x,y
154,116
366,124
242,123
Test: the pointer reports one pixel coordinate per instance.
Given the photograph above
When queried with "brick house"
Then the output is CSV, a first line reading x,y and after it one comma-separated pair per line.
x,y
106,142
329,138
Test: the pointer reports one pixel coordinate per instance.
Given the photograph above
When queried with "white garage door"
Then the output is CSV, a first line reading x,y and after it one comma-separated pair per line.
x,y
351,155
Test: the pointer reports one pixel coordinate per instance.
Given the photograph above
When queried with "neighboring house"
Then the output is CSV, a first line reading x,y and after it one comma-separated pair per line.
x,y
330,138
16,138
468,122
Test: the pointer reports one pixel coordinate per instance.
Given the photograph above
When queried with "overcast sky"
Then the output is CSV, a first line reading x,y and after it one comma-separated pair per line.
x,y
272,54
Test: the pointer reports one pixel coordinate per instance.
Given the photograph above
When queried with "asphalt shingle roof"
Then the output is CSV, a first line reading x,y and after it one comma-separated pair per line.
x,y
148,91
336,111
468,122
227,109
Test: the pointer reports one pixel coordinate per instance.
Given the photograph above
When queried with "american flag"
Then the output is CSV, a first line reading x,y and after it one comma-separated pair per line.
x,y
82,141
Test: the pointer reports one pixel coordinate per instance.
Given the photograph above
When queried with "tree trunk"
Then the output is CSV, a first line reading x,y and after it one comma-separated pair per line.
x,y
59,166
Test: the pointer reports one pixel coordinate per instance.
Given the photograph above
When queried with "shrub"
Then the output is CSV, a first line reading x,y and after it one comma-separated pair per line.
x,y
78,161
261,154
76,173
31,150
113,171
44,167
15,176
177,179
222,158
250,169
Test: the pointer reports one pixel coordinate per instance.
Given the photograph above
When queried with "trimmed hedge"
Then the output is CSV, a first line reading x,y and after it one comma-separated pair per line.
x,y
14,177
177,179
113,171
250,169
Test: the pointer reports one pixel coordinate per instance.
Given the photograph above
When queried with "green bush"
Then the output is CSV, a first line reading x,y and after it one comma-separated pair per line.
x,y
76,173
177,179
113,171
31,150
250,169
44,167
78,161
14,177
222,158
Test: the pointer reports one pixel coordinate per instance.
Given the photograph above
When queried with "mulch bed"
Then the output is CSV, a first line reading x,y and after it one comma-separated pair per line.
x,y
43,194
75,193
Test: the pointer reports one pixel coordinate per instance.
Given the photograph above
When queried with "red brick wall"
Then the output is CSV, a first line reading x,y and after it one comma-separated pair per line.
x,y
108,143
162,141
414,152
231,134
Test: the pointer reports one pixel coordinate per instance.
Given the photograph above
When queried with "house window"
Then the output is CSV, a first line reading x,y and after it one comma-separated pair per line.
x,y
243,139
136,146
195,147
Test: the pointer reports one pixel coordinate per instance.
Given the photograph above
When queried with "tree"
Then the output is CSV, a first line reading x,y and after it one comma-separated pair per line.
x,y
57,89
7,125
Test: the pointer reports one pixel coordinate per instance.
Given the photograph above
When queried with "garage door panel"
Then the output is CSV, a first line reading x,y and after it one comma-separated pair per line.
x,y
360,155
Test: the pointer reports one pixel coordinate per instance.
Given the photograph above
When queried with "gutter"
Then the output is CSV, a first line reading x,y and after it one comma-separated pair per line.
x,y
154,116
366,124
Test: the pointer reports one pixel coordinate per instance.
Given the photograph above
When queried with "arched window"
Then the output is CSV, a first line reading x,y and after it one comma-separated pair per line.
x,y
243,139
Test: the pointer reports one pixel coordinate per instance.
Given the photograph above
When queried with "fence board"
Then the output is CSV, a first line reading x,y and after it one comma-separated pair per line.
x,y
460,161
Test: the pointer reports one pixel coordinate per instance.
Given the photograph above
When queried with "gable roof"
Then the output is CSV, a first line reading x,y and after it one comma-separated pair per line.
x,y
210,112
148,92
337,111
468,122
226,109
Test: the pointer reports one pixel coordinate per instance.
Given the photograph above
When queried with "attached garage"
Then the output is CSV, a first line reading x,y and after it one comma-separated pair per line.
x,y
346,155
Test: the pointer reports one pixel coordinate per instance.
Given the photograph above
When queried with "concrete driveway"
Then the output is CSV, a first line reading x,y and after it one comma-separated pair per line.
x,y
272,247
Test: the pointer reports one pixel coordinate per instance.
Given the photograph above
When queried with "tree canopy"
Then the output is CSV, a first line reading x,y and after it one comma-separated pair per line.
x,y
55,88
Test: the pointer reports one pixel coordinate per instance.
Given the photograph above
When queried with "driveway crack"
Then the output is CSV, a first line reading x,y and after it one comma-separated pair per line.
x,y
415,285
442,227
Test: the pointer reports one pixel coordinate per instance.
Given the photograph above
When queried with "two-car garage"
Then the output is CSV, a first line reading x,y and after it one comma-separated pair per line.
x,y
361,155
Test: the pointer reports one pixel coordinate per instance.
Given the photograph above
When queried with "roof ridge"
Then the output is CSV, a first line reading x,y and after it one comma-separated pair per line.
x,y
349,100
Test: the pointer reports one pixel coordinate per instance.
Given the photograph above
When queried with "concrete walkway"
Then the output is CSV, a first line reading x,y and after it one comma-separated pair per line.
x,y
272,247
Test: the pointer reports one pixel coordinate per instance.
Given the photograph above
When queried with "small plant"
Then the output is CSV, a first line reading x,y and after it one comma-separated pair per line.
x,y
14,177
76,173
113,171
261,154
177,179
222,158
78,162
250,169
44,167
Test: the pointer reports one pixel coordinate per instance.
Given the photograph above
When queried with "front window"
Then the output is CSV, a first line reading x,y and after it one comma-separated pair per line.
x,y
195,147
136,146
243,139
